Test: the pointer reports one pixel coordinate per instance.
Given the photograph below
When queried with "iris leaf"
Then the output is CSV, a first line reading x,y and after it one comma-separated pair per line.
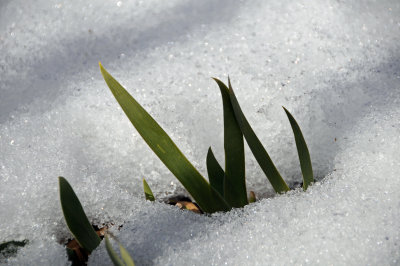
x,y
75,217
235,183
206,197
302,150
112,254
215,172
125,256
256,147
147,191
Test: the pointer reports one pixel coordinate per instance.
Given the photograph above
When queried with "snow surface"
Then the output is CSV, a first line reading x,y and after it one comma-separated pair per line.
x,y
333,64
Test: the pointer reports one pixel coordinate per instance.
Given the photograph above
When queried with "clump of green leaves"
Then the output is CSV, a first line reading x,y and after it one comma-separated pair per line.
x,y
226,188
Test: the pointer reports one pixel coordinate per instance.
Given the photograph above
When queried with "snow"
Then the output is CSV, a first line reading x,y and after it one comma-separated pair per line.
x,y
333,64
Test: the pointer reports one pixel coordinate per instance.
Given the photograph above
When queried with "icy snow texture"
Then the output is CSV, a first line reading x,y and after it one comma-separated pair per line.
x,y
333,64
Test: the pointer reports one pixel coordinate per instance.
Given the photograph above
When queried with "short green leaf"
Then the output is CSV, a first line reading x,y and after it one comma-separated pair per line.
x,y
147,191
125,256
112,254
256,147
302,150
206,197
235,183
75,217
215,172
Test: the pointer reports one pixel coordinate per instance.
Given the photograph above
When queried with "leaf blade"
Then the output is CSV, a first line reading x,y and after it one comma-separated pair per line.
x,y
302,151
258,150
147,191
235,183
126,257
76,218
215,172
112,254
162,145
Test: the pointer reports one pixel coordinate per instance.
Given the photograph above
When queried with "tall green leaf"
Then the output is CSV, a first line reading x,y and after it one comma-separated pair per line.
x,y
206,197
235,183
256,147
215,172
147,191
75,217
302,150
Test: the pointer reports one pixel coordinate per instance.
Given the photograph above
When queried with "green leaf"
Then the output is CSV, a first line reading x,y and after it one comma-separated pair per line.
x,y
206,197
256,147
125,256
147,191
112,254
302,150
235,183
215,173
75,217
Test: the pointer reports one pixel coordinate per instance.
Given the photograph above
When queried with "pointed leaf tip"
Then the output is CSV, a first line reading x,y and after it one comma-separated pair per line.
x,y
216,79
102,69
147,191
302,151
256,147
234,179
